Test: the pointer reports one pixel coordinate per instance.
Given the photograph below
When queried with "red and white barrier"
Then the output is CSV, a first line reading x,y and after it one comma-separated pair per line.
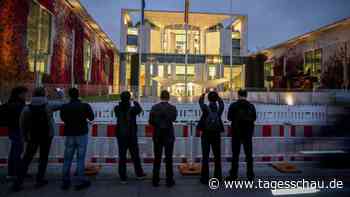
x,y
272,143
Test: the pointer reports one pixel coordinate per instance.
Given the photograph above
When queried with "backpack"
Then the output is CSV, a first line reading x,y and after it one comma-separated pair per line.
x,y
213,121
39,122
4,115
245,113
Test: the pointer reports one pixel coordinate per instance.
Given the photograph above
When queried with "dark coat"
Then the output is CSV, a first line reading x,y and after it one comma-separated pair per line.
x,y
239,127
126,118
75,115
12,112
162,117
215,107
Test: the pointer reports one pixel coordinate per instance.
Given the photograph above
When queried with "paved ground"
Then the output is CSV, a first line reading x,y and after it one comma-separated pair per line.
x,y
107,184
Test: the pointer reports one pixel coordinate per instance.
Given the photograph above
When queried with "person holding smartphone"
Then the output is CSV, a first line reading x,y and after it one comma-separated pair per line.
x,y
126,131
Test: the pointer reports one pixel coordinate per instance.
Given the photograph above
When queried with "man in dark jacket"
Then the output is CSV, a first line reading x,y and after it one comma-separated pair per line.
x,y
162,117
36,126
242,115
10,115
75,116
126,113
211,126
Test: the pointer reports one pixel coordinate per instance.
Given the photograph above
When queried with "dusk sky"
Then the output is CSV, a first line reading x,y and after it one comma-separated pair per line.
x,y
270,21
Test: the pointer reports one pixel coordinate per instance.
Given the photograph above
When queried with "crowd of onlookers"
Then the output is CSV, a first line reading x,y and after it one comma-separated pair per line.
x,y
32,125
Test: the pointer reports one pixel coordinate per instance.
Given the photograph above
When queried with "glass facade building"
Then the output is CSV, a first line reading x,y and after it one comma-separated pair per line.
x,y
210,39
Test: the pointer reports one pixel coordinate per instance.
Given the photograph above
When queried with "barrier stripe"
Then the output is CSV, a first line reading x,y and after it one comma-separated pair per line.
x,y
94,131
267,131
149,131
182,130
111,130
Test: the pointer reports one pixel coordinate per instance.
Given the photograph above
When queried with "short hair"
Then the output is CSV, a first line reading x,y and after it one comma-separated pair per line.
x,y
39,92
213,96
243,93
125,96
165,95
73,93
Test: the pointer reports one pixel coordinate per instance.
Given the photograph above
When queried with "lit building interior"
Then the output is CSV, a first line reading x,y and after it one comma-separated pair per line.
x,y
163,43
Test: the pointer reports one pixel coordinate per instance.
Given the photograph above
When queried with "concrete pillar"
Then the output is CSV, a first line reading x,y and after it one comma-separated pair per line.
x,y
154,83
122,76
244,36
198,72
173,71
203,41
205,72
147,79
123,31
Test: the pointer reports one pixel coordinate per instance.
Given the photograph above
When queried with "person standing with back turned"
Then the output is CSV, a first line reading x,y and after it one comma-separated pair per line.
x,y
242,115
126,132
162,117
37,125
211,126
10,114
75,116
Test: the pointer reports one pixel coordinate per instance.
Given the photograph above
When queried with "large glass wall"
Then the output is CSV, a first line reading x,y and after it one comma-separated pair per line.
x,y
174,40
237,77
313,61
181,72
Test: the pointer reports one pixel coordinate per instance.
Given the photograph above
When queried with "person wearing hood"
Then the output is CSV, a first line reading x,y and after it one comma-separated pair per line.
x,y
37,126
211,126
10,115
162,118
126,131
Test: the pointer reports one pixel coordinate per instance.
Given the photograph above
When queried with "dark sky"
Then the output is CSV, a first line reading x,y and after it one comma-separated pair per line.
x,y
270,21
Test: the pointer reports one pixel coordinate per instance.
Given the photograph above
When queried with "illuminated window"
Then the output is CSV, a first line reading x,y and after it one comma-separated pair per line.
x,y
169,69
131,49
161,71
87,60
180,43
142,75
313,61
38,38
236,81
151,69
181,70
268,73
133,31
212,72
236,35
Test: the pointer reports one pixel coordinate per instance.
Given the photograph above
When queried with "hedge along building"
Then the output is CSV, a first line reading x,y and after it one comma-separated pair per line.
x,y
319,59
54,43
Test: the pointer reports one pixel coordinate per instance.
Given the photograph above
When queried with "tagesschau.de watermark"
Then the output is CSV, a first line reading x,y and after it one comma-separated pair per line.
x,y
278,186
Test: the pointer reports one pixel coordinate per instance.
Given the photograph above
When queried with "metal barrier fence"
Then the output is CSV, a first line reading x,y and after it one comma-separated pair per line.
x,y
272,114
271,143
281,132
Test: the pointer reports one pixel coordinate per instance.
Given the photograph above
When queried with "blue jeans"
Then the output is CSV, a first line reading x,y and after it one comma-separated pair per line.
x,y
75,144
14,159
